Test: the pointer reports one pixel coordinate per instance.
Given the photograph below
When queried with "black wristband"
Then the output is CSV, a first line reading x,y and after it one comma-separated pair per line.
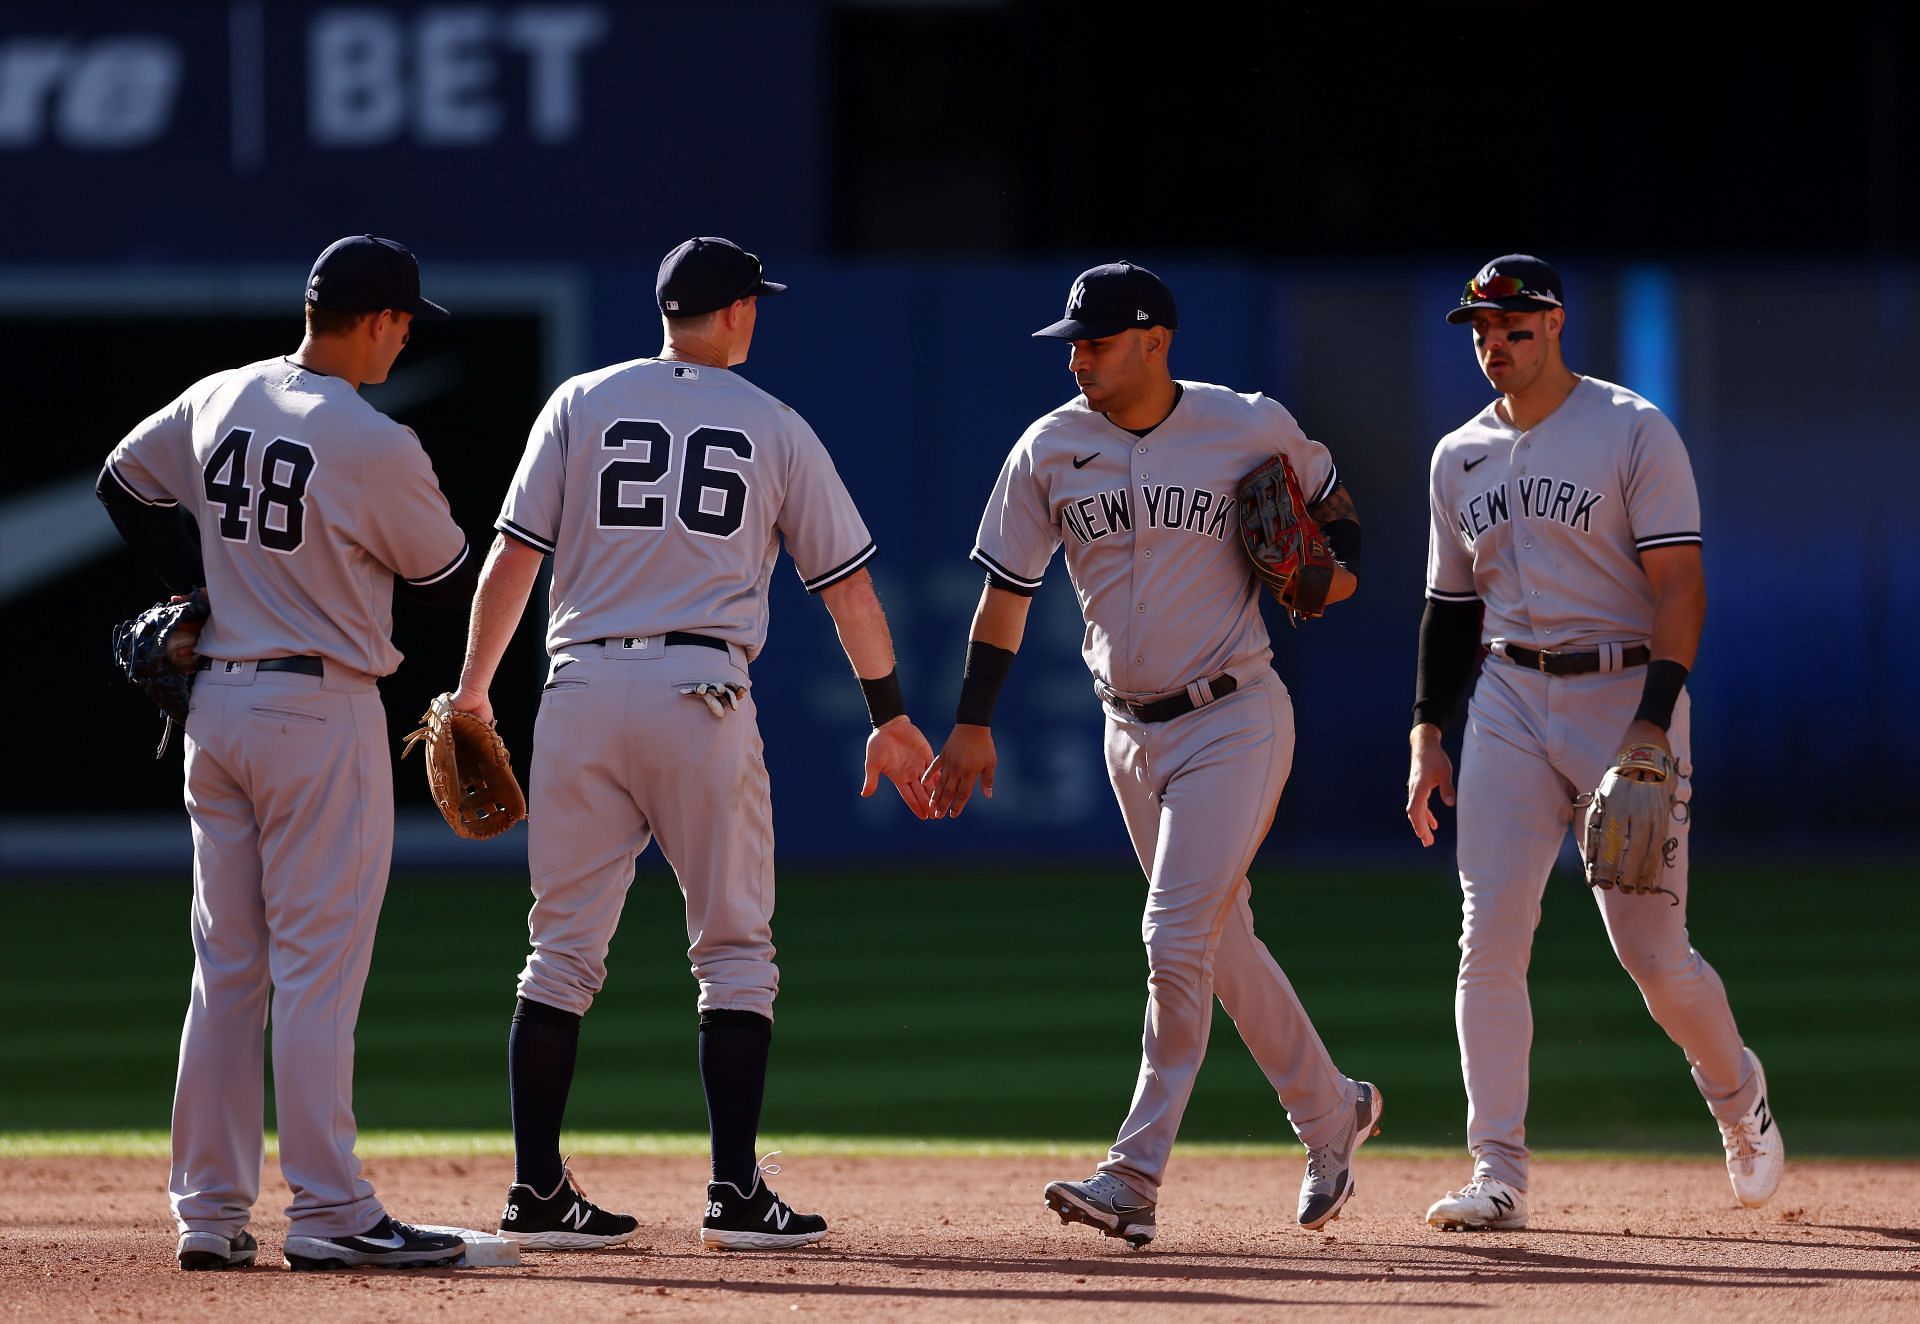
x,y
987,668
1665,678
884,700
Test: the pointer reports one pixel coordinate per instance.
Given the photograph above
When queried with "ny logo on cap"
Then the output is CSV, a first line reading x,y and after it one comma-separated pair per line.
x,y
1077,295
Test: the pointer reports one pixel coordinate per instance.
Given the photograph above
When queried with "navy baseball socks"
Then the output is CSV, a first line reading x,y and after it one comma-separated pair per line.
x,y
742,1211
541,1048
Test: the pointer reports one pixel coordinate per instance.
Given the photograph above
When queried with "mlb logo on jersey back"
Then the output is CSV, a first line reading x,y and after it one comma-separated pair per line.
x,y
687,374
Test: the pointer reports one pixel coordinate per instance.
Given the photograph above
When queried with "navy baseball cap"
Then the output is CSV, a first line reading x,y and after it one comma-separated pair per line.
x,y
362,274
706,274
1516,282
1107,300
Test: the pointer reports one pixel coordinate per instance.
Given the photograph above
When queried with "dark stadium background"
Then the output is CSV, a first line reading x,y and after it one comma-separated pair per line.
x,y
1732,205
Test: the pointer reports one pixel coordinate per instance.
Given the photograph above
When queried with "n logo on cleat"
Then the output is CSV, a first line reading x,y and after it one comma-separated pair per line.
x,y
1766,1117
778,1215
1503,1203
577,1216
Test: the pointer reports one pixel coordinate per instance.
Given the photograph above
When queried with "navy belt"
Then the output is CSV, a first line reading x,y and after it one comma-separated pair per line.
x,y
301,666
1178,705
677,637
1573,664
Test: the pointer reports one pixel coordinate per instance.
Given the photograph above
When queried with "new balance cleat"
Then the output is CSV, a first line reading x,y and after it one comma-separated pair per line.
x,y
755,1219
1104,1202
1325,1189
563,1220
1484,1204
1756,1155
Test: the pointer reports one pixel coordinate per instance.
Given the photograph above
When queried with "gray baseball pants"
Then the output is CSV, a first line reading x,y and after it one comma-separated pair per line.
x,y
1199,793
1533,743
289,785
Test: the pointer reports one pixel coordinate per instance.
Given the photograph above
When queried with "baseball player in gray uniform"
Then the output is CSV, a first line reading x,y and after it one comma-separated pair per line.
x,y
663,489
309,503
1136,477
1566,538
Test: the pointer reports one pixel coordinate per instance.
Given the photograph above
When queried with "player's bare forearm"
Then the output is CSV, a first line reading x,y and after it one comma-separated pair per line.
x,y
861,623
1679,612
1000,619
498,603
1336,505
1679,601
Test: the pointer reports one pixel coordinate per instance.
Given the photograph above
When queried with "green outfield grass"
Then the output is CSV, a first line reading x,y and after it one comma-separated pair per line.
x,y
969,1012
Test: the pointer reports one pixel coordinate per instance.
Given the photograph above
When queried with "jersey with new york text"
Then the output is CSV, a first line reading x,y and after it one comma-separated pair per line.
x,y
663,491
309,501
1546,527
1151,531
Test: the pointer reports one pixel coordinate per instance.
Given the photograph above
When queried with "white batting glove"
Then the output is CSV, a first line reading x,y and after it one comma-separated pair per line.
x,y
713,694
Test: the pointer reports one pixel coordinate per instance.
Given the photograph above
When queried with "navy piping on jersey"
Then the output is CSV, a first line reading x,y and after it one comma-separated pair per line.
x,y
1667,540
840,571
1326,488
1441,595
1001,577
448,569
164,501
519,534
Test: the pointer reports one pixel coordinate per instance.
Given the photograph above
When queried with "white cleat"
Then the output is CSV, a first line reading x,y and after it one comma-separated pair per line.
x,y
1484,1204
1756,1155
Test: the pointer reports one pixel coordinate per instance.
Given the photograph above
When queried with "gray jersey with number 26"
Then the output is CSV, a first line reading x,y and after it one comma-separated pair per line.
x,y
623,455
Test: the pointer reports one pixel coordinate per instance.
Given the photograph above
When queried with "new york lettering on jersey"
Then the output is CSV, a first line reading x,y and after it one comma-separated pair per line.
x,y
1150,529
1547,526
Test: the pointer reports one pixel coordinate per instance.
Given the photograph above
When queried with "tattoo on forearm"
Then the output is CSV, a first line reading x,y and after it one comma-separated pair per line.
x,y
1338,504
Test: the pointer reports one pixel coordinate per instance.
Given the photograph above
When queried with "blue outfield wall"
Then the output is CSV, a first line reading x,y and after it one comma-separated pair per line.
x,y
1800,415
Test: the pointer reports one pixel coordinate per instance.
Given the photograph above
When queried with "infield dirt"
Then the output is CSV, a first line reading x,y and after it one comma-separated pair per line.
x,y
968,1238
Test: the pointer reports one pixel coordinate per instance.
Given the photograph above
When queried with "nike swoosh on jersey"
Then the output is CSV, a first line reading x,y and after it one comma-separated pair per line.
x,y
1471,463
1079,463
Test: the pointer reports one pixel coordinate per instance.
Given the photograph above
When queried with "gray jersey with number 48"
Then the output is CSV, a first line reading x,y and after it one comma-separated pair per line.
x,y
309,501
621,455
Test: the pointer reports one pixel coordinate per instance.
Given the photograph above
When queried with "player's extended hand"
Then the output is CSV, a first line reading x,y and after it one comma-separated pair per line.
x,y
967,756
1431,770
1646,733
475,702
898,752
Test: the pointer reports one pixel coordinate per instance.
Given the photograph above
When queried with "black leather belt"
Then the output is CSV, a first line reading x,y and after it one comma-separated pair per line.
x,y
677,637
1573,664
1178,705
300,666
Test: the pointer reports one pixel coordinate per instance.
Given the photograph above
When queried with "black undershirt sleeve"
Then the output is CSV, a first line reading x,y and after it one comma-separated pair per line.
x,y
165,538
456,590
1449,650
1343,538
